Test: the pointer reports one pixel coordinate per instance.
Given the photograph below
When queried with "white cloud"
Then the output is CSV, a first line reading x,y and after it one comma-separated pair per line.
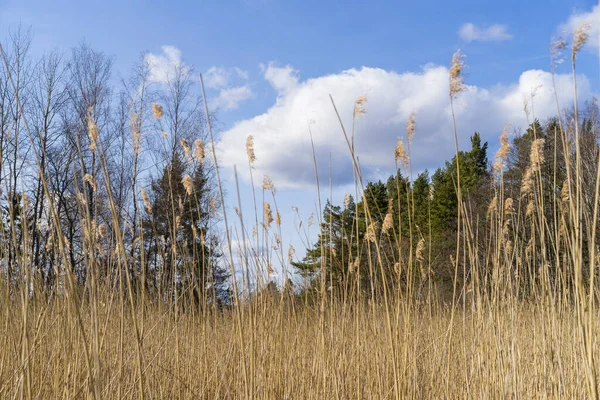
x,y
282,79
241,73
220,77
216,77
163,66
230,98
577,18
493,33
281,134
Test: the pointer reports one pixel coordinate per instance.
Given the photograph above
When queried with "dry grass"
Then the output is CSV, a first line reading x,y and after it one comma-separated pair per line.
x,y
520,350
484,340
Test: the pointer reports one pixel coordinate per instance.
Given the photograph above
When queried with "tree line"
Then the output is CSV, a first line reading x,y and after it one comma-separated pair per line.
x,y
402,232
100,171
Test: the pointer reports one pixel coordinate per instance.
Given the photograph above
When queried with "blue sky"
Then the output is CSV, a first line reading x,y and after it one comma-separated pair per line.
x,y
270,65
316,37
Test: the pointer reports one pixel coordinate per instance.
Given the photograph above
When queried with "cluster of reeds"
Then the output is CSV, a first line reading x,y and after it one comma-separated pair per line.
x,y
521,321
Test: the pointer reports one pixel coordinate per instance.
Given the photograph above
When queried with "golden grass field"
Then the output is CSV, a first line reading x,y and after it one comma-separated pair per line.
x,y
491,335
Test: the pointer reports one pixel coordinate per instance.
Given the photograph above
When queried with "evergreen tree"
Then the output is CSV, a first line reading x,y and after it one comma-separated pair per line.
x,y
421,202
336,246
183,252
473,170
397,189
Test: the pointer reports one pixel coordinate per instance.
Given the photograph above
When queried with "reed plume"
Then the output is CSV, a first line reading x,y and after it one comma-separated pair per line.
x,y
157,110
199,150
457,65
93,133
250,149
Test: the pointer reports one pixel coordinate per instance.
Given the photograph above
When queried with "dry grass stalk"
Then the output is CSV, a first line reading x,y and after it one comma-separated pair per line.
x,y
502,347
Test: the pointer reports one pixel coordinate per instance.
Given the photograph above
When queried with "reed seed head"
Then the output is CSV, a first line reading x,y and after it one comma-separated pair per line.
x,y
157,110
527,183
509,207
537,154
400,154
136,135
557,47
199,146
93,133
250,149
580,37
371,234
186,148
147,203
188,184
388,223
530,208
268,184
410,127
420,250
91,181
502,153
267,214
101,230
457,65
359,106
347,199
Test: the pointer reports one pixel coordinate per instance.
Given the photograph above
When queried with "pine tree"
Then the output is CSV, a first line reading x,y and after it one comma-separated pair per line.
x,y
420,191
336,246
183,252
473,170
